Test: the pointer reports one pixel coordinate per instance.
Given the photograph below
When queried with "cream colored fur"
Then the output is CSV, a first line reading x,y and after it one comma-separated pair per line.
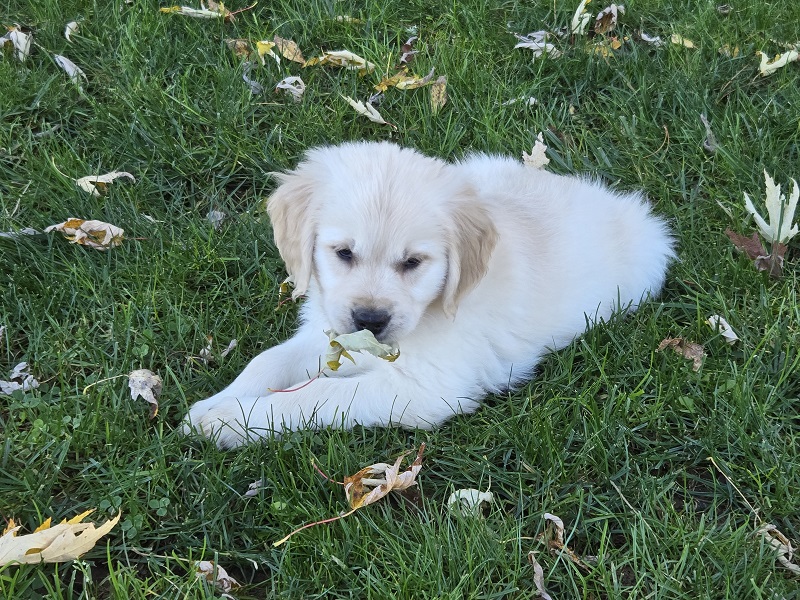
x,y
511,262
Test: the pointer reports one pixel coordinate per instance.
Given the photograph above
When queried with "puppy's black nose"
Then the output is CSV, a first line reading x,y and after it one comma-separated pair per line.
x,y
373,319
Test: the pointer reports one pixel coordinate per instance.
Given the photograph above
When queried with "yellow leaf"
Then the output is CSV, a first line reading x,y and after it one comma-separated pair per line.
x,y
95,234
359,341
403,81
374,482
679,40
289,49
344,59
265,47
66,541
439,94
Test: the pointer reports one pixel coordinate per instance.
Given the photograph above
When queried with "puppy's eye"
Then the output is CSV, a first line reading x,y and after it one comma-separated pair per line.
x,y
345,254
411,263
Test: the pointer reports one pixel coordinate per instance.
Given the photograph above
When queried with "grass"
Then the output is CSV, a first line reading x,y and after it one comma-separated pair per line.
x,y
612,436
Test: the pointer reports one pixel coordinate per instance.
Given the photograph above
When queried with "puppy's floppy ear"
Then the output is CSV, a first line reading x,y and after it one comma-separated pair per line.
x,y
294,225
472,241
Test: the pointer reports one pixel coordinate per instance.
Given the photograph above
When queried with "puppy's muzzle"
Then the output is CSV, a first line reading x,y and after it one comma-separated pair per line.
x,y
376,320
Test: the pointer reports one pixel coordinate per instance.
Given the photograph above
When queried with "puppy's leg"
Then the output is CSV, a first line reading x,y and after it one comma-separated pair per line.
x,y
379,396
280,367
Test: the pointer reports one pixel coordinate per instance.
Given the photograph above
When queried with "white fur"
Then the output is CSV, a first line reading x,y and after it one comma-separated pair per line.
x,y
513,261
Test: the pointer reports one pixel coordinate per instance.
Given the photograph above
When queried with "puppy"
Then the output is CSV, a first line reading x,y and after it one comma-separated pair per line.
x,y
474,270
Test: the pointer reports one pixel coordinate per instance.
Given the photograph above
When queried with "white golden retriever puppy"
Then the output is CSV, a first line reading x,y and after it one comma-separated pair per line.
x,y
475,270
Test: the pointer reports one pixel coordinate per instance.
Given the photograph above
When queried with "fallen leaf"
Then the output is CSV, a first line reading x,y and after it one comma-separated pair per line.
x,y
240,47
214,573
719,323
403,81
751,246
407,50
95,234
148,385
96,185
768,67
679,40
255,87
66,541
254,488
371,484
607,18
553,536
689,350
726,50
469,502
74,71
214,11
216,217
529,100
344,59
70,28
754,248
22,232
231,345
438,94
374,482
536,42
359,341
265,47
367,110
293,86
774,538
653,41
348,19
780,211
20,41
537,158
538,576
289,50
581,19
20,378
710,143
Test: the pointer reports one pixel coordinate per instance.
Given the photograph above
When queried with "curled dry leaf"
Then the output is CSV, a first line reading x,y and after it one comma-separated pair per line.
x,y
367,110
469,502
689,350
371,484
97,185
652,40
536,42
774,538
771,262
289,50
20,378
719,323
20,41
74,71
254,488
359,341
70,28
66,541
581,19
438,94
710,143
408,51
538,576
537,158
95,234
553,536
403,81
255,87
768,67
780,211
240,47
216,217
214,573
148,385
607,18
292,85
344,59
214,11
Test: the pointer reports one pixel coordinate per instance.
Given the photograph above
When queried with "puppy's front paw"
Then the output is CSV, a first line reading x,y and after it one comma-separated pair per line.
x,y
229,422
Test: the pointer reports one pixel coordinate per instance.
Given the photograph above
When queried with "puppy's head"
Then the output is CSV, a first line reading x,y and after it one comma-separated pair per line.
x,y
381,234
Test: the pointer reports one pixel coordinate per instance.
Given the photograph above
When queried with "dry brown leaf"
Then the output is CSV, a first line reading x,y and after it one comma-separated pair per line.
x,y
66,541
148,385
774,538
344,59
607,18
403,81
538,576
374,482
689,350
553,536
289,50
95,234
772,263
213,11
439,94
240,46
408,51
371,484
214,573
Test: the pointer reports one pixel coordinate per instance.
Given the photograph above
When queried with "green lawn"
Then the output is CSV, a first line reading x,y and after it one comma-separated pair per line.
x,y
612,436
